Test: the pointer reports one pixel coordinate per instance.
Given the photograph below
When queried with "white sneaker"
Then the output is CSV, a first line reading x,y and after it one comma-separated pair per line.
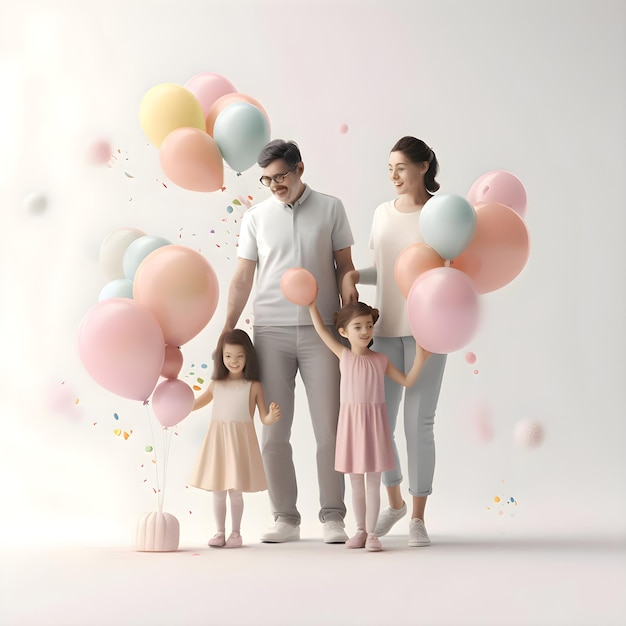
x,y
280,532
387,518
334,532
418,536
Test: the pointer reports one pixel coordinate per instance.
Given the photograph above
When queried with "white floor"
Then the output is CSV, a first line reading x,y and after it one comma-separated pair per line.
x,y
458,580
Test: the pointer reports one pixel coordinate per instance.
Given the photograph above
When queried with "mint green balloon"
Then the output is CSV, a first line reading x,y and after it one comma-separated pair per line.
x,y
448,224
241,131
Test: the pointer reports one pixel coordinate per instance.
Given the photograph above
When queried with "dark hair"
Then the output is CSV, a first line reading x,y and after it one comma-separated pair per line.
x,y
351,310
241,338
280,149
417,151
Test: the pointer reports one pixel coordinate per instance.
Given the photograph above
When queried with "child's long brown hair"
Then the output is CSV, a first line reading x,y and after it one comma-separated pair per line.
x,y
241,338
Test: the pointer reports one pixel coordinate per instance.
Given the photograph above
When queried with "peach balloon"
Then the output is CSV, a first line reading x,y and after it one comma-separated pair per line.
x,y
299,286
221,103
173,362
499,250
180,288
413,261
192,160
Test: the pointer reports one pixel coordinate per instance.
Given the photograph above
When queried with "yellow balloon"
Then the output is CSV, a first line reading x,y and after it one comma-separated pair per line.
x,y
166,107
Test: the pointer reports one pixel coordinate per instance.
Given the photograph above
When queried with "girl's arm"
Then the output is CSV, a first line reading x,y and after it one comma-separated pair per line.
x,y
408,379
323,332
267,417
204,398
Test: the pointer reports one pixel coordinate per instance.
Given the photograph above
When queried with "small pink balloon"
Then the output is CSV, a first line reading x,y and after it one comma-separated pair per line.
x,y
501,187
100,152
413,261
343,129
192,160
121,346
172,402
470,358
173,362
443,310
299,286
529,433
208,87
499,250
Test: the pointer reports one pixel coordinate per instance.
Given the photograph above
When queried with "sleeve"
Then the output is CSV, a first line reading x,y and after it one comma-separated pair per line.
x,y
342,234
247,245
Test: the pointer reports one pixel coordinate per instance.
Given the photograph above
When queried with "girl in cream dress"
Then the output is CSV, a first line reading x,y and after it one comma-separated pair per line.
x,y
230,461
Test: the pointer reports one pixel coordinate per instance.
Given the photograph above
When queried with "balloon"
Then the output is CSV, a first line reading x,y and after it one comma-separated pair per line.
x,y
180,288
138,250
191,159
173,362
413,261
112,251
221,103
117,288
447,224
299,286
121,346
35,202
501,187
172,401
209,87
443,310
166,107
241,131
499,250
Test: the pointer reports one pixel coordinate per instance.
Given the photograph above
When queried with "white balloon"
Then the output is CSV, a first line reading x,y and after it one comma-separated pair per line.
x,y
112,251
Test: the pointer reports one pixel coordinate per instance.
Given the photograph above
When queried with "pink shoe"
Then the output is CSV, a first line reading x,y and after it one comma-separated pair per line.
x,y
234,541
373,543
358,541
217,540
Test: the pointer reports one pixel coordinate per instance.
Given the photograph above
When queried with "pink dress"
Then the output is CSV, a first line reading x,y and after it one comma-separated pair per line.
x,y
230,457
363,433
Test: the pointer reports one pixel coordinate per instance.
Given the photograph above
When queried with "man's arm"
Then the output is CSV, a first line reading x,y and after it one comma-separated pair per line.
x,y
343,265
239,291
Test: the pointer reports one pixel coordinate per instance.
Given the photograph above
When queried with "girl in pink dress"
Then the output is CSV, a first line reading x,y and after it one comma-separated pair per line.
x,y
230,458
364,447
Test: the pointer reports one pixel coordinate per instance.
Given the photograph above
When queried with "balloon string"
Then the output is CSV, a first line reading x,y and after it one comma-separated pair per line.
x,y
156,460
167,440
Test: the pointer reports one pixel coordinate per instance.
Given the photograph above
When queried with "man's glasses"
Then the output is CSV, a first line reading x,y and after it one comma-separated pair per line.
x,y
267,180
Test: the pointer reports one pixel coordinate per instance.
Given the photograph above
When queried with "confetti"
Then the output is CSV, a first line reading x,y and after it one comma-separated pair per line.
x,y
148,449
116,416
128,175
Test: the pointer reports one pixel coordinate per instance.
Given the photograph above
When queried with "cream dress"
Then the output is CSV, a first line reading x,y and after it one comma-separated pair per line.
x,y
230,457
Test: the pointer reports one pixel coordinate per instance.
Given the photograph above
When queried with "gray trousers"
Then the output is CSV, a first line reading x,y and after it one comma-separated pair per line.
x,y
282,352
420,404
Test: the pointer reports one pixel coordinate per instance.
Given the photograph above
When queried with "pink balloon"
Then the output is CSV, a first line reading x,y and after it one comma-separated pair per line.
x,y
208,87
221,103
443,310
413,261
192,160
121,346
180,288
299,286
173,362
499,250
501,187
172,401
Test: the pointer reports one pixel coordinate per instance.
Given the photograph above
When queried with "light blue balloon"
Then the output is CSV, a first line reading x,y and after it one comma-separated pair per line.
x,y
241,131
138,250
448,224
117,288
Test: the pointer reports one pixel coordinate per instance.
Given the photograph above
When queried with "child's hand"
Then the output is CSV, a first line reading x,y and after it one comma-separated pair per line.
x,y
274,413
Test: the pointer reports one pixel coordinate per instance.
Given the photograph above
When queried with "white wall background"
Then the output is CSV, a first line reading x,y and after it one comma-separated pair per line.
x,y
535,87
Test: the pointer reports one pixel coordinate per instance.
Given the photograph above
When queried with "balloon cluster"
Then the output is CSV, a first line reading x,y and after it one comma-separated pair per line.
x,y
201,124
159,296
484,239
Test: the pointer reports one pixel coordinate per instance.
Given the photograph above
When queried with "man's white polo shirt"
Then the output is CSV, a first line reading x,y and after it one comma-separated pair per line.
x,y
280,236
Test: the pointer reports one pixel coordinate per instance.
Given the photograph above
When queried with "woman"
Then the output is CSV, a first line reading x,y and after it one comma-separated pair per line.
x,y
412,168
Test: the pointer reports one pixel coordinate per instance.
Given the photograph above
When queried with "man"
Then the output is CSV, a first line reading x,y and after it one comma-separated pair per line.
x,y
295,227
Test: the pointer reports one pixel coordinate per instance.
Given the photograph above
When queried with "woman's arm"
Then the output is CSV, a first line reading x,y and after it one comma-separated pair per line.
x,y
270,416
344,265
323,332
408,379
204,398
